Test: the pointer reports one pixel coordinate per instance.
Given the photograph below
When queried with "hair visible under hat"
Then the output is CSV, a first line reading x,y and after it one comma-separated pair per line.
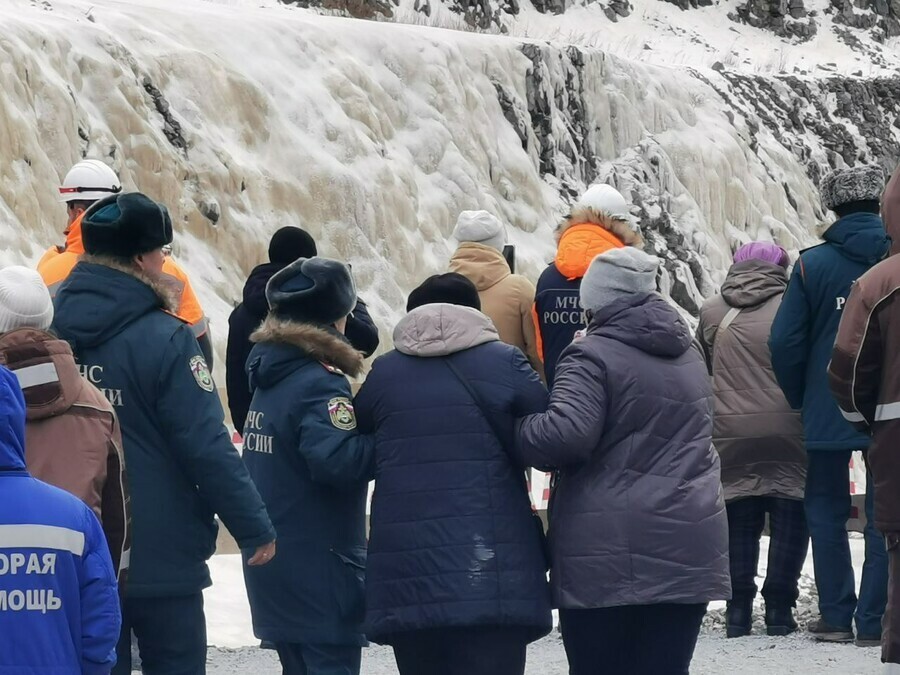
x,y
24,300
450,288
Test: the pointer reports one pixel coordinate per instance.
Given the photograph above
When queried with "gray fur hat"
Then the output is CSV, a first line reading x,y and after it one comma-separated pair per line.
x,y
312,290
857,184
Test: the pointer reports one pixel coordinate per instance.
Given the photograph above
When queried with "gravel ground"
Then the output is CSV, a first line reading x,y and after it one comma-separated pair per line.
x,y
228,624
797,654
715,655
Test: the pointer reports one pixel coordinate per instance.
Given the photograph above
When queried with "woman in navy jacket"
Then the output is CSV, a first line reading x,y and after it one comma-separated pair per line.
x,y
456,576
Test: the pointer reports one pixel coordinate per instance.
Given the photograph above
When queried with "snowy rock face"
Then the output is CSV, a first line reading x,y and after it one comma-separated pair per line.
x,y
375,136
592,118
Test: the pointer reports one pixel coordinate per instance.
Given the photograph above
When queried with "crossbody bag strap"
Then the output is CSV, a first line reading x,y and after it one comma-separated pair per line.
x,y
727,320
464,381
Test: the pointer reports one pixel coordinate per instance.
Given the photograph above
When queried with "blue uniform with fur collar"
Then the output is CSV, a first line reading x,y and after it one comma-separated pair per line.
x,y
311,467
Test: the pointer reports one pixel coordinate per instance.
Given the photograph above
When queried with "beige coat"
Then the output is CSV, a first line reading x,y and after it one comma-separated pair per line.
x,y
506,298
758,436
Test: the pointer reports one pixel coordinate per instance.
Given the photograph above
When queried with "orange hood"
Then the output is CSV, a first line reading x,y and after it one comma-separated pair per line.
x,y
579,244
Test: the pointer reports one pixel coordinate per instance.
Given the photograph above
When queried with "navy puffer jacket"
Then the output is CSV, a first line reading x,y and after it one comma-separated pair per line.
x,y
453,540
638,516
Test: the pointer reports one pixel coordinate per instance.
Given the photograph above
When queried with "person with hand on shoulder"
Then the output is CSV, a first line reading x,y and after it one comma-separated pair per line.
x,y
638,530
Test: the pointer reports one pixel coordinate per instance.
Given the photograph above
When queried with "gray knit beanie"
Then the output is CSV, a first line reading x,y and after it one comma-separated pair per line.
x,y
617,273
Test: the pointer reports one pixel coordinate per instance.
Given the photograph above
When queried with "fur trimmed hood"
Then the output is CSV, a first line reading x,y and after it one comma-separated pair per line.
x,y
318,343
169,296
585,234
628,232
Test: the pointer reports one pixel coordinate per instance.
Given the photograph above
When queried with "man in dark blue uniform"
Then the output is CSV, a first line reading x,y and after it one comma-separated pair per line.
x,y
311,465
801,342
182,467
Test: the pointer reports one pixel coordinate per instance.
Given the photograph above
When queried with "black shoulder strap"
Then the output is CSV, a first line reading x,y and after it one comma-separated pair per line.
x,y
477,399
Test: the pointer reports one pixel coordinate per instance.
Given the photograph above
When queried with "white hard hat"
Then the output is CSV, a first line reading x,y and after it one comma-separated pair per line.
x,y
606,199
90,180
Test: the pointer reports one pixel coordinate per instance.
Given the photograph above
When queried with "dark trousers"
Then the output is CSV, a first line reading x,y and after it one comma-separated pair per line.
x,y
482,650
636,639
309,659
827,511
789,541
171,635
890,638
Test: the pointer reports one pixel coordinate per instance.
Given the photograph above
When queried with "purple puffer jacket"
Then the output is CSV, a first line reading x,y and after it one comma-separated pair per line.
x,y
638,516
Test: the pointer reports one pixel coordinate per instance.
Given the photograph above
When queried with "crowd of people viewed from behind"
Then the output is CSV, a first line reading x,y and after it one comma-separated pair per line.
x,y
671,449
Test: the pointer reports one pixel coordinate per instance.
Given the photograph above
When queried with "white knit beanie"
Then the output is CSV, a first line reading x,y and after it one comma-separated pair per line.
x,y
480,227
24,300
616,273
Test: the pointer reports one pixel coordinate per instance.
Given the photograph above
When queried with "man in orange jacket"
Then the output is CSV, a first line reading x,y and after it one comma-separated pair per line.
x,y
87,182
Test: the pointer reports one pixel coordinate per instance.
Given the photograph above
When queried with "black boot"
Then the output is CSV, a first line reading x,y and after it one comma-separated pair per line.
x,y
780,620
738,618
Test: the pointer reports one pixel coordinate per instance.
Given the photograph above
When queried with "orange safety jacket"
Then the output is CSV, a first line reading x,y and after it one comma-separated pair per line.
x,y
57,263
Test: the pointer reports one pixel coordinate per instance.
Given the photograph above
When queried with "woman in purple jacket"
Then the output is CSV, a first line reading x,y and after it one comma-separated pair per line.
x,y
638,531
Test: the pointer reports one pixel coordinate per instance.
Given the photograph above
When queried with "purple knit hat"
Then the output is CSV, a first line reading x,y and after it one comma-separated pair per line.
x,y
763,250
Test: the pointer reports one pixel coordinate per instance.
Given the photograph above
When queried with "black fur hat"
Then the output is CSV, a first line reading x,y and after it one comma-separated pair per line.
x,y
312,290
126,225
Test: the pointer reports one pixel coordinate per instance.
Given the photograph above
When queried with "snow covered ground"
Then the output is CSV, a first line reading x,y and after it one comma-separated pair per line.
x,y
228,622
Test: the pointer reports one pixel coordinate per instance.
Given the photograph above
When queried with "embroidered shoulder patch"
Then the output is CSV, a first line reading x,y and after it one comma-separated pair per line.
x,y
201,374
340,410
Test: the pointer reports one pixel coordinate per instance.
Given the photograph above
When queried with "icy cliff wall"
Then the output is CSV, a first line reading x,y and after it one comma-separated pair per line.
x,y
375,136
